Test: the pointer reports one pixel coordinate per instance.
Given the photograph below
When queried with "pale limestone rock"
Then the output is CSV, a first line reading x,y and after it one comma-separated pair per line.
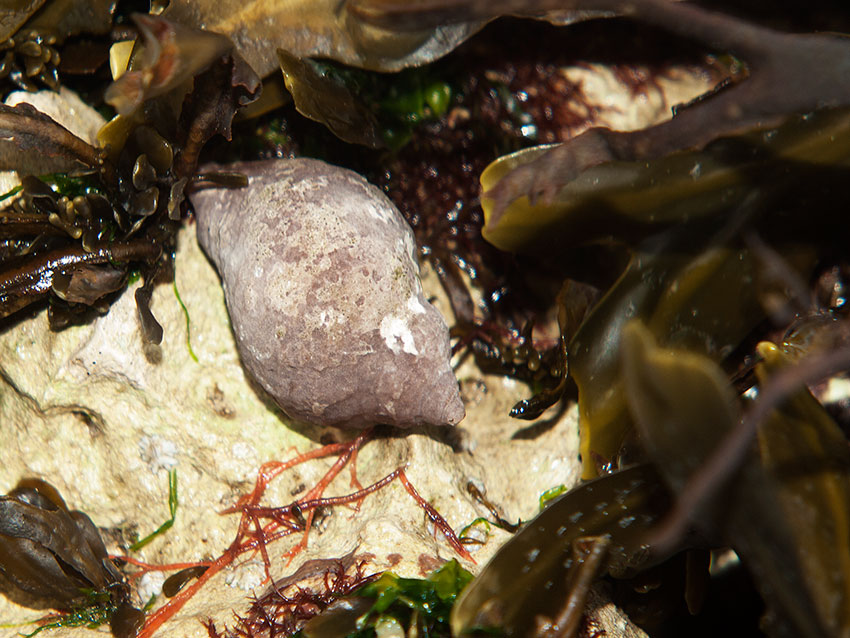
x,y
86,410
320,276
617,106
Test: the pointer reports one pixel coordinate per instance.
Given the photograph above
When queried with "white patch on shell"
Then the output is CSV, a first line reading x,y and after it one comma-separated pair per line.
x,y
380,212
395,330
411,250
330,317
304,186
414,306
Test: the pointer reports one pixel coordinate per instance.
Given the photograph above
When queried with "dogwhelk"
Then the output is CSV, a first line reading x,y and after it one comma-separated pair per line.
x,y
322,284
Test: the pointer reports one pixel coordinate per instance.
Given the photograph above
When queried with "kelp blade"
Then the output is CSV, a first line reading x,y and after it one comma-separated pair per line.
x,y
528,576
807,458
692,294
784,511
644,196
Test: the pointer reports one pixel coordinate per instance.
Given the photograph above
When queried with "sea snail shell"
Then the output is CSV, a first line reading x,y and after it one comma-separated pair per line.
x,y
322,285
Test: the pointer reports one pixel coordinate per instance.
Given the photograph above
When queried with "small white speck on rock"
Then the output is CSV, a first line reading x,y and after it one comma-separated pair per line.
x,y
150,584
246,576
158,452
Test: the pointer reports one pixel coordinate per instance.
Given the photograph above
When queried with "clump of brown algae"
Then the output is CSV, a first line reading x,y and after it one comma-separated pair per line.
x,y
322,284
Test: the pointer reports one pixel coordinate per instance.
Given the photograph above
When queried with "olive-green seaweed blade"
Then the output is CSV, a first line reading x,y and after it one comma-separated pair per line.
x,y
528,576
640,197
701,300
807,456
684,407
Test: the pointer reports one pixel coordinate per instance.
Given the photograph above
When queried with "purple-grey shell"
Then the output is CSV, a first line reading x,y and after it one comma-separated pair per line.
x,y
322,284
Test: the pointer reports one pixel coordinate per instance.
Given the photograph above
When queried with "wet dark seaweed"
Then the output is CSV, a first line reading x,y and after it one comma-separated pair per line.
x,y
78,239
54,557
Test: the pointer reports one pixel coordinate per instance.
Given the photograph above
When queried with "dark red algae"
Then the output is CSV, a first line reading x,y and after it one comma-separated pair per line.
x,y
504,99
